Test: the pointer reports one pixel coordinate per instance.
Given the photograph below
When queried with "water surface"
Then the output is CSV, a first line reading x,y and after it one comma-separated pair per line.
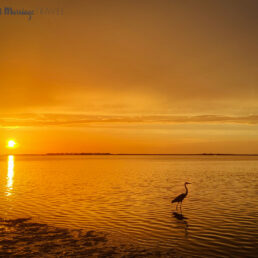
x,y
129,197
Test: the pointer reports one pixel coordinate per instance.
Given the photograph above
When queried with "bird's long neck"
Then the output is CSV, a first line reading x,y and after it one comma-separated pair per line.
x,y
186,190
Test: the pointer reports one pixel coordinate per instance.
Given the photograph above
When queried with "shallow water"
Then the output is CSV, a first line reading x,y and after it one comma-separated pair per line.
x,y
129,198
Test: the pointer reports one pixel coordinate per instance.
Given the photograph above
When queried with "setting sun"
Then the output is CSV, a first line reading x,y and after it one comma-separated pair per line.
x,y
11,144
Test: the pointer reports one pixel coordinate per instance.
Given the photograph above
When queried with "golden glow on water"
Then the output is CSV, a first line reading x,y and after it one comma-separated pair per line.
x,y
129,198
10,175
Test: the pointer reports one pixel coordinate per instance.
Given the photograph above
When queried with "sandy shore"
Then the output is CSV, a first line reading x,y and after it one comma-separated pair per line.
x,y
23,238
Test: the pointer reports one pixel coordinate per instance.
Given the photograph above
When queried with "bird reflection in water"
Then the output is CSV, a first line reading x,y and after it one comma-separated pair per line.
x,y
10,175
182,219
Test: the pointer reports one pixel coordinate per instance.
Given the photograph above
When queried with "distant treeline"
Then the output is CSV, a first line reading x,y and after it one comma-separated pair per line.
x,y
152,154
130,154
81,153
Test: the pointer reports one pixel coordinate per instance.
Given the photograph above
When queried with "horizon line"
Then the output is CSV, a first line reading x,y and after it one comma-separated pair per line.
x,y
128,154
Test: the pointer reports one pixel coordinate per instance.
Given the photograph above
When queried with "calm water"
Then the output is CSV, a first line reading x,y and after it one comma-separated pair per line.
x,y
129,198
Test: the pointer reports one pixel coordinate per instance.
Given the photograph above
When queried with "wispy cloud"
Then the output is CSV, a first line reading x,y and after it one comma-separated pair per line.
x,y
80,120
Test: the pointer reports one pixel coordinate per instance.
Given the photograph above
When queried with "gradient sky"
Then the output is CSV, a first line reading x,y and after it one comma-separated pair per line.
x,y
130,76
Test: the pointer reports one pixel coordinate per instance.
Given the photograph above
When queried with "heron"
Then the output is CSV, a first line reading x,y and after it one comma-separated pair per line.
x,y
181,197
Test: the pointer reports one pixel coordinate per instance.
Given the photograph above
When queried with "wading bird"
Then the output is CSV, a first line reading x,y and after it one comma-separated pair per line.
x,y
181,197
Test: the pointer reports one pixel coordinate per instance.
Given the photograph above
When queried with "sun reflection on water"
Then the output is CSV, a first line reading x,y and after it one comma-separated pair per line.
x,y
10,175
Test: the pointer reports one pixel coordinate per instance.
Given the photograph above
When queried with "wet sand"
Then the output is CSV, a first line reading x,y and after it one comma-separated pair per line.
x,y
23,238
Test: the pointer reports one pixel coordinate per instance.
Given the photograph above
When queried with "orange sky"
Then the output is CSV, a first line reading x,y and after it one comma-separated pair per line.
x,y
130,76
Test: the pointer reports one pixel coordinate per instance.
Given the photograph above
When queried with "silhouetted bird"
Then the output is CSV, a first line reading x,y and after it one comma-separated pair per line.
x,y
181,197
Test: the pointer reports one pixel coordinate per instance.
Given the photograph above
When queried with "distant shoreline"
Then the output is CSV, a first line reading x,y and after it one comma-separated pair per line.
x,y
129,154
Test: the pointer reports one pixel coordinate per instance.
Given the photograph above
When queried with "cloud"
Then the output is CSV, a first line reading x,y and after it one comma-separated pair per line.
x,y
80,120
173,52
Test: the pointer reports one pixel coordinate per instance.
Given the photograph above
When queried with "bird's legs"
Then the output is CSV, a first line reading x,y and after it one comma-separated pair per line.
x,y
181,207
176,206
